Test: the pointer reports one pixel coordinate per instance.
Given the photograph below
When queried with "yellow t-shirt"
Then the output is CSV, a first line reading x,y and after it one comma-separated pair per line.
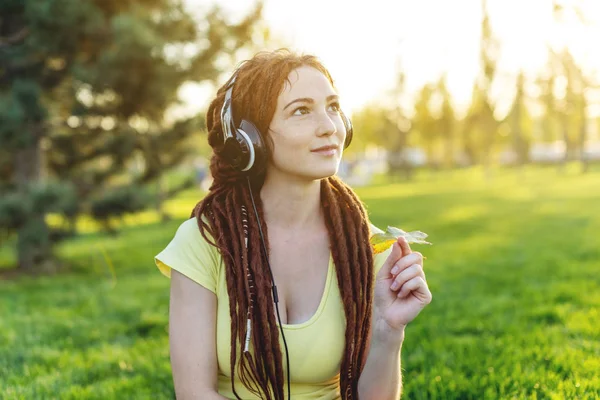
x,y
315,346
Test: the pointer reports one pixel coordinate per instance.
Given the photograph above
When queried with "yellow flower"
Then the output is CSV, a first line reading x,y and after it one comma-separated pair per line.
x,y
381,241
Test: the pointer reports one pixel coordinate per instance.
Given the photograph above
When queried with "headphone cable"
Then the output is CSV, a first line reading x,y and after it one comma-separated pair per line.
x,y
273,287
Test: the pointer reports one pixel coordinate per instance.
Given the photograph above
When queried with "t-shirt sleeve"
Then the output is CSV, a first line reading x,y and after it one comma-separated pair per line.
x,y
190,254
379,259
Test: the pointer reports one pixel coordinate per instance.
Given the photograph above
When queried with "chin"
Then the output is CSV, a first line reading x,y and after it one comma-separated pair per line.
x,y
311,170
323,173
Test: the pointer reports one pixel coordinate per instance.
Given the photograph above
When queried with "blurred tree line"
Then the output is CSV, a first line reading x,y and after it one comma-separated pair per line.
x,y
546,109
87,89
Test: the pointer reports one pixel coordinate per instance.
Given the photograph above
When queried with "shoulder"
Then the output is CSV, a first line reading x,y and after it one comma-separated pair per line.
x,y
191,254
189,227
189,230
190,234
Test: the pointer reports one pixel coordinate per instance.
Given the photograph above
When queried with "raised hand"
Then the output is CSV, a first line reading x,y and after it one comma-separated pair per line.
x,y
401,290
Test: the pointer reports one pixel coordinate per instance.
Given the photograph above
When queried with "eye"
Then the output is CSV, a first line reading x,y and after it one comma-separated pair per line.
x,y
301,111
335,106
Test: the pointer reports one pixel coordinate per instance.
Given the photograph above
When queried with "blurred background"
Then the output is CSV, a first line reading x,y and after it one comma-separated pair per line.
x,y
477,122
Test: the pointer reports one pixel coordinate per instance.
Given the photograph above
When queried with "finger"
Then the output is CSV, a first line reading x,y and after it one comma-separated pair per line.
x,y
411,272
392,258
416,284
406,250
407,261
421,291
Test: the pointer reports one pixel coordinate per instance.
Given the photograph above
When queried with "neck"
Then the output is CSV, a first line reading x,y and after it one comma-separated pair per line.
x,y
291,203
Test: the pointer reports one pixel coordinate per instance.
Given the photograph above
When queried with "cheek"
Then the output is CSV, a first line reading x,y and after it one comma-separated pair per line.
x,y
341,130
291,141
285,150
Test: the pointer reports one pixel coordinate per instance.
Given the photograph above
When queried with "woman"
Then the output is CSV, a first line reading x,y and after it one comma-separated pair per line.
x,y
337,316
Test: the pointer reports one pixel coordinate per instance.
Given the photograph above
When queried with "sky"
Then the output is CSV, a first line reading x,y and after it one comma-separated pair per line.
x,y
362,43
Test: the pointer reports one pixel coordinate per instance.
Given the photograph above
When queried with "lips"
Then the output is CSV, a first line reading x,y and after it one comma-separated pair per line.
x,y
325,148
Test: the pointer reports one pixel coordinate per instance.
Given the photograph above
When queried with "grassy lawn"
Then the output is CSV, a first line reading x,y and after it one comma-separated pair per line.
x,y
514,271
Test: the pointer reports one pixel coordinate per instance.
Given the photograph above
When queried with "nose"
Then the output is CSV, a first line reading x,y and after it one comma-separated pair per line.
x,y
326,125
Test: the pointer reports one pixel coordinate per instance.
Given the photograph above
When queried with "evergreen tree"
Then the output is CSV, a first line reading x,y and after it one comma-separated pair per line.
x,y
85,88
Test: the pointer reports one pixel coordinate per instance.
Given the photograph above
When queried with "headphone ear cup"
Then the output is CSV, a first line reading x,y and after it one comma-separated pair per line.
x,y
257,149
349,130
236,151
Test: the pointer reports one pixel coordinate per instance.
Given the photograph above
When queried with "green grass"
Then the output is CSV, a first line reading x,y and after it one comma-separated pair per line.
x,y
514,271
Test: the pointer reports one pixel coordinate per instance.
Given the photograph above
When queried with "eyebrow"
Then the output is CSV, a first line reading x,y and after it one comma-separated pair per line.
x,y
309,100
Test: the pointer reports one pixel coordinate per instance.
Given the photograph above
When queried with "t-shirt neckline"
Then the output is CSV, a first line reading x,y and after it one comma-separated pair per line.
x,y
321,307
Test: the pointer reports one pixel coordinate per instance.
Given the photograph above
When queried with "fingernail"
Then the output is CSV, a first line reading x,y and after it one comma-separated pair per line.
x,y
395,270
394,285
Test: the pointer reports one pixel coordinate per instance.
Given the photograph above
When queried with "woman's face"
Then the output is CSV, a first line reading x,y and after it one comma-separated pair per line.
x,y
307,130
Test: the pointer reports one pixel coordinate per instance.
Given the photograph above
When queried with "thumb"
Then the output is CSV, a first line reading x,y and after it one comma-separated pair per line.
x,y
393,257
406,250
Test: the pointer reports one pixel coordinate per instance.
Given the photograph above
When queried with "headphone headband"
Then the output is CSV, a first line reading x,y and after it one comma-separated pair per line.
x,y
226,116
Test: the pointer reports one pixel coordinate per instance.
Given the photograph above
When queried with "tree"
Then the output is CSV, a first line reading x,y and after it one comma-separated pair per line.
x,y
399,130
424,122
573,107
371,127
480,127
85,86
447,123
548,102
489,53
519,122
